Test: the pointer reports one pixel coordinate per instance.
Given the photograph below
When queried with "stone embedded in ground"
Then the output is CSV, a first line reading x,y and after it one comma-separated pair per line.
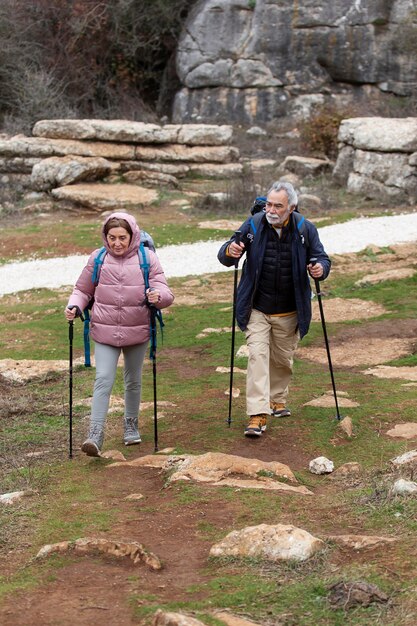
x,y
58,171
115,455
347,426
221,469
321,465
343,309
229,225
389,371
403,431
12,497
161,618
23,370
407,459
215,331
135,496
91,545
404,487
243,351
235,392
345,470
327,400
280,542
361,542
345,596
233,620
356,351
226,370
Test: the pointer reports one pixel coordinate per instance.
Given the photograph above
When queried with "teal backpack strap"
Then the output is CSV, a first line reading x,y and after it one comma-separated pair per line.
x,y
156,313
87,355
98,262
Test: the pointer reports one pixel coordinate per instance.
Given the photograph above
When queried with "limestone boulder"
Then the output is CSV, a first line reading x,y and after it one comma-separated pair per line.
x,y
60,171
278,542
305,166
378,134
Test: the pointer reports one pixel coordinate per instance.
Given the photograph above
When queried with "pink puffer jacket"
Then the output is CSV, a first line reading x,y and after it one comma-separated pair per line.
x,y
120,316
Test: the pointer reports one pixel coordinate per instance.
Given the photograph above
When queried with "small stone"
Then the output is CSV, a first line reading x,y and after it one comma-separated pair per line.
x,y
135,496
321,465
408,458
115,455
12,497
347,469
404,487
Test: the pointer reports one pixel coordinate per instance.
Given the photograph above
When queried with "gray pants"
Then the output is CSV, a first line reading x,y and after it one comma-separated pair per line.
x,y
106,358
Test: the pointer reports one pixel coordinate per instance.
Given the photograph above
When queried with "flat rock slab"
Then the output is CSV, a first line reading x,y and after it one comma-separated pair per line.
x,y
342,309
354,352
403,431
361,542
380,277
28,369
388,371
328,400
136,132
221,469
91,545
99,197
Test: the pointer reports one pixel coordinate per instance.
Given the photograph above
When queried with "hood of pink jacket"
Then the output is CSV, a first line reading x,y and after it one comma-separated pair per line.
x,y
135,239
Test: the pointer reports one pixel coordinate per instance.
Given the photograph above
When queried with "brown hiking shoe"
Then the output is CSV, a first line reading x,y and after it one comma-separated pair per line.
x,y
278,409
256,426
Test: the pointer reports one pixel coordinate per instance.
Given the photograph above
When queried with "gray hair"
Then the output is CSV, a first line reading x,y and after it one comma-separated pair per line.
x,y
289,190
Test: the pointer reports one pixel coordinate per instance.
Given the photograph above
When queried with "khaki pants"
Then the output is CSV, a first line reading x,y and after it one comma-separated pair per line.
x,y
271,342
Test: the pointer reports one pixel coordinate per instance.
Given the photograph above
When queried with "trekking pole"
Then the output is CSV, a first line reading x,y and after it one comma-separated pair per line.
x,y
232,355
153,358
313,261
71,339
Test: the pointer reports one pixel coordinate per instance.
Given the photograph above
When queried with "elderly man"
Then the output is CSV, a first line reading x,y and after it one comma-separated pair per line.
x,y
273,304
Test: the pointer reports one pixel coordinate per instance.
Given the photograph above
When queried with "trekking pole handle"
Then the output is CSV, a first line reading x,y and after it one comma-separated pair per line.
x,y
77,313
238,235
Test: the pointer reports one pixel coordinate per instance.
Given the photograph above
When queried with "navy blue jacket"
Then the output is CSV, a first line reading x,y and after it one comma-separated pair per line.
x,y
305,245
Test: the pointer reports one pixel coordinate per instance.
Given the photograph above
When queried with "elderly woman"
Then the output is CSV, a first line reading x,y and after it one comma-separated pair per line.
x,y
120,321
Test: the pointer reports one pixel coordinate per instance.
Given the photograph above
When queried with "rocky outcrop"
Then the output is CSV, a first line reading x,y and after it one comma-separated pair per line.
x,y
378,158
251,62
63,153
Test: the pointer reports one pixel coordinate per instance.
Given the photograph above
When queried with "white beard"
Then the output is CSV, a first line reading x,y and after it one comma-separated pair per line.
x,y
276,220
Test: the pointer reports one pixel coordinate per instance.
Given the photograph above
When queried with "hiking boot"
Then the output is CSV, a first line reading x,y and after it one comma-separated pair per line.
x,y
131,435
92,445
256,426
278,409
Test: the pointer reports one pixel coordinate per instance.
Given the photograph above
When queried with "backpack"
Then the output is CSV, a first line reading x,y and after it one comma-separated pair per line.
x,y
146,243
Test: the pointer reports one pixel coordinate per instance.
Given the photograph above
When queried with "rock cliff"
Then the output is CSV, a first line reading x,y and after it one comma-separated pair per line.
x,y
248,61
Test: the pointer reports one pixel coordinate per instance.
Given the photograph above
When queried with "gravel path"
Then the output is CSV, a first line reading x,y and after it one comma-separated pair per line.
x,y
201,258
